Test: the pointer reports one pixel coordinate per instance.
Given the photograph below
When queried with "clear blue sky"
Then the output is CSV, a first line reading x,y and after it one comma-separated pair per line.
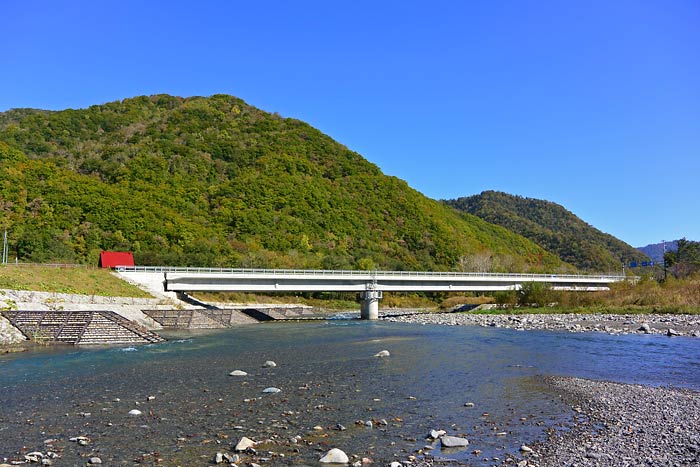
x,y
594,105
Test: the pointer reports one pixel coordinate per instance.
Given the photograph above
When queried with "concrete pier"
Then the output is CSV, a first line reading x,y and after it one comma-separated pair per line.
x,y
369,309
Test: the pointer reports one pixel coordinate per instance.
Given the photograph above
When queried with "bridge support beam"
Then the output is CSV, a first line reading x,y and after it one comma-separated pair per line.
x,y
369,309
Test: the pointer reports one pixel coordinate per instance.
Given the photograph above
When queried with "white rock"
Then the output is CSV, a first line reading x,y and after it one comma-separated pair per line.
x,y
454,442
269,364
395,464
135,412
383,353
435,434
244,444
238,373
271,390
335,456
219,458
95,460
525,448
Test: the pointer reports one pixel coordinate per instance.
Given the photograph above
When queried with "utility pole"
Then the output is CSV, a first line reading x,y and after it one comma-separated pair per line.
x,y
664,242
4,248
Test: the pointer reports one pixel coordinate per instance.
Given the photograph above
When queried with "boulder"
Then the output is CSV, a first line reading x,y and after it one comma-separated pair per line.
x,y
454,442
238,373
382,353
335,456
244,444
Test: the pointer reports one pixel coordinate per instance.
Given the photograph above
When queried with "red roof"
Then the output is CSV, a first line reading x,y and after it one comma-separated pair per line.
x,y
112,259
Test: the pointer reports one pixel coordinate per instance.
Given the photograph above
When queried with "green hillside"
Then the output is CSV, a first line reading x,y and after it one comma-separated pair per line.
x,y
215,182
553,228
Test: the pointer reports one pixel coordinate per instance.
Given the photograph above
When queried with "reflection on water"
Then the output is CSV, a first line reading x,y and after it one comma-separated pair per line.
x,y
328,376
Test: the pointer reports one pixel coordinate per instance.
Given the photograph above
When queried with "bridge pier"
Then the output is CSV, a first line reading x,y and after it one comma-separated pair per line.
x,y
369,309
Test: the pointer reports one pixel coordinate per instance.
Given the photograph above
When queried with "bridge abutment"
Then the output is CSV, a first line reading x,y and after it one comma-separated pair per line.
x,y
369,309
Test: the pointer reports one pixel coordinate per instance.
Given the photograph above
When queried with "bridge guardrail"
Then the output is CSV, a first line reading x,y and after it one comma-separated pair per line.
x,y
330,272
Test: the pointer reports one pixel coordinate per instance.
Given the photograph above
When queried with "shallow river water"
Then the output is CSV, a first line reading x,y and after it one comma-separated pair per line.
x,y
328,375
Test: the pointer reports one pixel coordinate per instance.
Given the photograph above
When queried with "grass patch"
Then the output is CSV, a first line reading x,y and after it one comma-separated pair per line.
x,y
70,280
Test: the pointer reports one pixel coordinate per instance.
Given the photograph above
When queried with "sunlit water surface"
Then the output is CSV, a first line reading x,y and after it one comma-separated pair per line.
x,y
328,375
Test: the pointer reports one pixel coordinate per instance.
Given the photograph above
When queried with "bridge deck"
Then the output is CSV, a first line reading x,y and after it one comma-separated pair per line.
x,y
285,280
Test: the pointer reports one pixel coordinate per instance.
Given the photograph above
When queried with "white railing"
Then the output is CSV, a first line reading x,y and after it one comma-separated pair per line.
x,y
330,272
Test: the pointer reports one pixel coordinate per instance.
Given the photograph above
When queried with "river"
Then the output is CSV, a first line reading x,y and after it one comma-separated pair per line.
x,y
328,375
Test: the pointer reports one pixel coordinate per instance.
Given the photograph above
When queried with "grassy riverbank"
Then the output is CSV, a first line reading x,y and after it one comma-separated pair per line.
x,y
80,280
647,296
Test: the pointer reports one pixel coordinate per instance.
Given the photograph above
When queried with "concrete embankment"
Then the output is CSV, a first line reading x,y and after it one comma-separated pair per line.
x,y
128,308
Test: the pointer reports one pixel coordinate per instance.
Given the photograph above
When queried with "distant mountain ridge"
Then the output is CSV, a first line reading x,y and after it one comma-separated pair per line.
x,y
552,227
656,251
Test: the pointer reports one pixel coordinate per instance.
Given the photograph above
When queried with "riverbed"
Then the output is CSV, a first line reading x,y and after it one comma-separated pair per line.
x,y
482,384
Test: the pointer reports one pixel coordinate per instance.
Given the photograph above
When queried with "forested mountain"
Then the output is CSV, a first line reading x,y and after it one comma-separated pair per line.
x,y
553,228
216,182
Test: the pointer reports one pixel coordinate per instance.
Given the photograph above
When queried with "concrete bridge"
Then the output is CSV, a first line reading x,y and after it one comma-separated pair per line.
x,y
371,284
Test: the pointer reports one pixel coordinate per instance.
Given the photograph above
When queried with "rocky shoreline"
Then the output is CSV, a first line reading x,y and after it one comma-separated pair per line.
x,y
670,325
623,425
613,424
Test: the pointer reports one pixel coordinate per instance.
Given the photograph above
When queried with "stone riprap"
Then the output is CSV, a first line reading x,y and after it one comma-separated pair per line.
x,y
679,325
9,335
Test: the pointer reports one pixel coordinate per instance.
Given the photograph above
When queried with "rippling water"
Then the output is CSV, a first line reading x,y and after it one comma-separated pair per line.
x,y
328,376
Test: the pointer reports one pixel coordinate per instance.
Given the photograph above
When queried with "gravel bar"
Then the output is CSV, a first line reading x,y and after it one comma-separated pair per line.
x,y
670,325
623,425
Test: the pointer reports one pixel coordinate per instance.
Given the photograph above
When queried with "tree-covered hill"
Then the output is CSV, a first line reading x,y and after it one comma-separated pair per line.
x,y
552,227
216,182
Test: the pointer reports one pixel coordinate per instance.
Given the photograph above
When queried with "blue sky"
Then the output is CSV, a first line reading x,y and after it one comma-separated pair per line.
x,y
594,105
